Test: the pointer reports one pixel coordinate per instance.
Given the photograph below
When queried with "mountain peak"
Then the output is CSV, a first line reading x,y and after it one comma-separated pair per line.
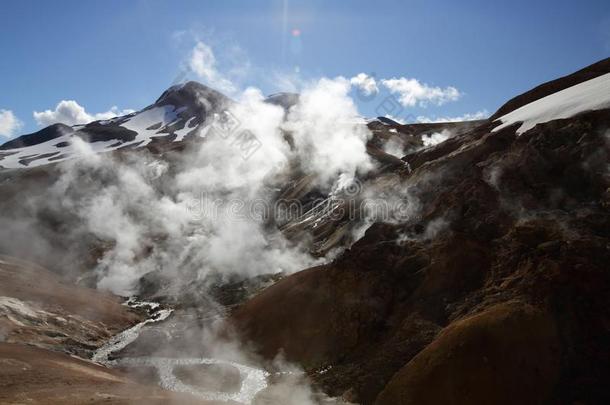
x,y
180,112
189,93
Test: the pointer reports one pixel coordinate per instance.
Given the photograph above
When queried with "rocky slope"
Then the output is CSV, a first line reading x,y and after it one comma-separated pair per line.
x,y
494,290
38,308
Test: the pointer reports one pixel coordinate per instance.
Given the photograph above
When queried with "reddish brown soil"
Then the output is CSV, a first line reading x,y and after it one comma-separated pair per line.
x,y
38,308
507,302
35,376
29,282
505,355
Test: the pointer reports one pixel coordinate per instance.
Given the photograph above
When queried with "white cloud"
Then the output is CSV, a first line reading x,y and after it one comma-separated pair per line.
x,y
366,83
412,91
69,112
479,115
9,124
203,63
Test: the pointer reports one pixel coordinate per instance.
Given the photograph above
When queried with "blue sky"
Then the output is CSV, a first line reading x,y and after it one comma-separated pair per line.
x,y
125,53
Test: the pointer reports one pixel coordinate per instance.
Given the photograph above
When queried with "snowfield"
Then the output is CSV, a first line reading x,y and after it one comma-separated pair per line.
x,y
591,95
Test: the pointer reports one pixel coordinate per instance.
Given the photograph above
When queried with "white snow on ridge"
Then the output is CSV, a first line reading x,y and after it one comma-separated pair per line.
x,y
138,122
164,115
53,152
591,95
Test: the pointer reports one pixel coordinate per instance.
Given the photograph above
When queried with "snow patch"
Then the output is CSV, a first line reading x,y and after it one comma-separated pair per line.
x,y
591,95
148,118
47,152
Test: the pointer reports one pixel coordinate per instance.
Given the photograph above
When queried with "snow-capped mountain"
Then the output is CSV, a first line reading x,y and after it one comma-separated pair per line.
x,y
183,111
179,113
492,239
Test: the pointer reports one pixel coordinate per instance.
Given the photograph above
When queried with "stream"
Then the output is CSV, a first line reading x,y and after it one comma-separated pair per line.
x,y
253,379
